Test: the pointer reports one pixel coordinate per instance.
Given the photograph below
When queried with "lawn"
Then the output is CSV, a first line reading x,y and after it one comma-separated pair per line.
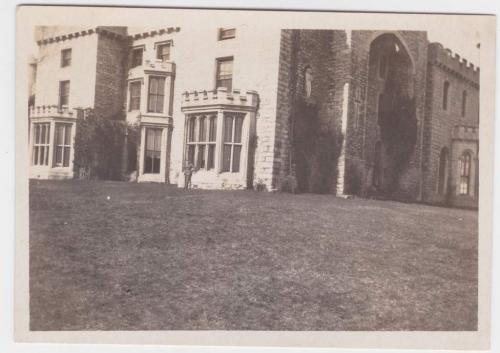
x,y
154,257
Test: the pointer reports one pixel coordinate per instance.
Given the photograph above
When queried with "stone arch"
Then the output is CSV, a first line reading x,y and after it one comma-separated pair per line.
x,y
391,105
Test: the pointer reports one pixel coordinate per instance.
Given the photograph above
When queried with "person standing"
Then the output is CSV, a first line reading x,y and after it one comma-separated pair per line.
x,y
188,173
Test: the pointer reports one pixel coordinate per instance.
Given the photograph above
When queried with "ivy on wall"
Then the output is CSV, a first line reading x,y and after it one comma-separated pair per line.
x,y
100,146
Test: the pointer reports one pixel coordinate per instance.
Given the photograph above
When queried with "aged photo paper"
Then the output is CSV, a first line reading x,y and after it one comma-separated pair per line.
x,y
253,177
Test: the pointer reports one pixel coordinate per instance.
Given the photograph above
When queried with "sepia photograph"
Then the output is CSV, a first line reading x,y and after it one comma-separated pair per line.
x,y
255,174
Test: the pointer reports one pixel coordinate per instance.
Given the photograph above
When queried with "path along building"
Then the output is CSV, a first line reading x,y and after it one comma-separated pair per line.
x,y
370,113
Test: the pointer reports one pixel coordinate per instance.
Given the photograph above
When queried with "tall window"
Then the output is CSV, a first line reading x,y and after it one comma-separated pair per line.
x,y
156,94
152,151
201,140
443,171
227,33
308,79
63,93
65,57
163,52
231,150
41,143
464,102
137,57
62,145
446,89
135,95
224,73
465,169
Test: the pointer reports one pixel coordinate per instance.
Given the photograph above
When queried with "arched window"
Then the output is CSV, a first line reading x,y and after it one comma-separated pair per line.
x,y
464,102
446,89
308,78
443,171
465,169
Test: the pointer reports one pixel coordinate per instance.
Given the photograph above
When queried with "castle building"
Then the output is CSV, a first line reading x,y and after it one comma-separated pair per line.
x,y
370,113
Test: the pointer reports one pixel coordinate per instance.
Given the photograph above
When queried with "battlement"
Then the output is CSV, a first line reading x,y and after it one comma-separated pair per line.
x,y
57,36
463,132
445,58
220,97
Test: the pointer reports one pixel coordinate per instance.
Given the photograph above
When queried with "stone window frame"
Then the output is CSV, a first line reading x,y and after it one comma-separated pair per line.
x,y
64,145
218,79
139,82
41,147
197,141
65,58
64,96
226,33
157,94
164,43
156,152
465,172
133,50
446,94
464,103
233,143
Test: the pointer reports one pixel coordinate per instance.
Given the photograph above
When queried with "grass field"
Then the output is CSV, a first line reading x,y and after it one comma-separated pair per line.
x,y
154,257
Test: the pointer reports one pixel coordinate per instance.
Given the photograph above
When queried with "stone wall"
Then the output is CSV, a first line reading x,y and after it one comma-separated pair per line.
x,y
111,65
462,76
363,130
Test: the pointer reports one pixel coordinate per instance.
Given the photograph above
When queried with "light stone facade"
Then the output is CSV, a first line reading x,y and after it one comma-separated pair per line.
x,y
249,132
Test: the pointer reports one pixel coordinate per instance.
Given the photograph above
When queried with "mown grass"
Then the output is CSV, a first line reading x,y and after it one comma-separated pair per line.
x,y
154,257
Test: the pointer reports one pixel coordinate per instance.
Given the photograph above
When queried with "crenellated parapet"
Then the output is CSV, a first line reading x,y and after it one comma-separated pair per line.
x,y
453,63
221,97
153,33
54,111
110,32
464,132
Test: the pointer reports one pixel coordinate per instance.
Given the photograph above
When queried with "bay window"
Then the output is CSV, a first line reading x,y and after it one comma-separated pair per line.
x,y
465,172
41,143
62,145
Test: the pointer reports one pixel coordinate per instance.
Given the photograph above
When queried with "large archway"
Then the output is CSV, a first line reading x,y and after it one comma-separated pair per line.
x,y
391,105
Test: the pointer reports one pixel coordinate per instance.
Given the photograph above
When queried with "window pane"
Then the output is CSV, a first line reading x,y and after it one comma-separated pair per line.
x,y
59,134
67,135
45,155
66,157
35,155
213,128
226,158
153,85
228,129
190,156
59,151
201,156
47,133
152,103
191,123
202,128
236,158
237,129
159,104
211,155
157,144
156,162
